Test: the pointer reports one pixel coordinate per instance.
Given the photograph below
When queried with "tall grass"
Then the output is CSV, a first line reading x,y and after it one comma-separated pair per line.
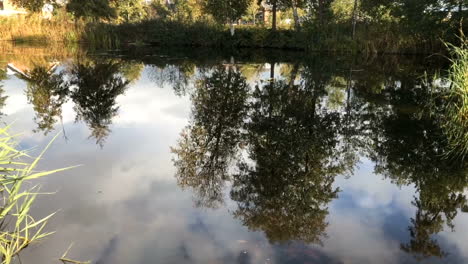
x,y
457,108
33,28
371,38
18,228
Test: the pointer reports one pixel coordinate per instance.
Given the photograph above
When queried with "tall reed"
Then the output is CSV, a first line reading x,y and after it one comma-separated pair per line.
x,y
18,228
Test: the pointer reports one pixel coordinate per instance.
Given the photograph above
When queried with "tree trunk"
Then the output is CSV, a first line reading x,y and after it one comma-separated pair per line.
x,y
231,26
293,76
354,17
295,15
320,11
272,71
273,23
460,10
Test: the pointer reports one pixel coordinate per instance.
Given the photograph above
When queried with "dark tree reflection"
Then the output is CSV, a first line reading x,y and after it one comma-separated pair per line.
x,y
179,76
47,92
290,157
2,91
409,148
3,99
96,87
208,145
284,191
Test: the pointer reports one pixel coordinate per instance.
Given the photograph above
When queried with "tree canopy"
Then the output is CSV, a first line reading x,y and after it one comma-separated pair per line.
x,y
95,9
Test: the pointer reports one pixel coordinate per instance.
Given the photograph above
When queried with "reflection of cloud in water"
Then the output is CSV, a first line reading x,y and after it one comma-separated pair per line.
x,y
177,111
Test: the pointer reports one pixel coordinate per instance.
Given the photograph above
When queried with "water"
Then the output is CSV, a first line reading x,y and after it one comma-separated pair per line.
x,y
248,157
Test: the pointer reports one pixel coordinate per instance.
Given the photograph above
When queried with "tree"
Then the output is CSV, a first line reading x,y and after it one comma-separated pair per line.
x,y
47,92
355,11
94,9
129,10
32,5
252,11
187,10
226,11
417,16
322,8
274,4
277,5
295,4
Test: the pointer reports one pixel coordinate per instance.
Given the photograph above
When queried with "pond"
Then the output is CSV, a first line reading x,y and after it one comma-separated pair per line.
x,y
201,156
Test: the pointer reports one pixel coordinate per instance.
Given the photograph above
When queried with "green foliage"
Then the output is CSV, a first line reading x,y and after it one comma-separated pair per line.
x,y
252,12
173,33
342,9
179,10
321,10
226,10
94,9
129,10
32,5
158,10
456,122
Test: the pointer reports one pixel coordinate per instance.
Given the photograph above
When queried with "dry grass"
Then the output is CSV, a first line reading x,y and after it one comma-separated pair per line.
x,y
33,28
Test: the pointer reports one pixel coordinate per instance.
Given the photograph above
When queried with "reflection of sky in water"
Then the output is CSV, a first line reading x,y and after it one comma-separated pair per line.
x,y
124,206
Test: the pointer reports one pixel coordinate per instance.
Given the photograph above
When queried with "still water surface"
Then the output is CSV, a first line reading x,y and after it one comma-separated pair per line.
x,y
237,158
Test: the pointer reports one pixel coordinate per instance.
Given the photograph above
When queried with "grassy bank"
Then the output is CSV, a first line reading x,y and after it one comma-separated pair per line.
x,y
62,28
336,37
35,29
384,38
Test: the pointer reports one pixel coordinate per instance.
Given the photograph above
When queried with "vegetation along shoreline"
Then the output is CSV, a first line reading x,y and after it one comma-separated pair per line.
x,y
356,26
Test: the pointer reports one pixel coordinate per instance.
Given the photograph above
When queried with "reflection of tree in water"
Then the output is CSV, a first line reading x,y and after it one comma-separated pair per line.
x,y
179,76
2,98
293,148
47,92
284,186
207,146
409,147
131,70
97,86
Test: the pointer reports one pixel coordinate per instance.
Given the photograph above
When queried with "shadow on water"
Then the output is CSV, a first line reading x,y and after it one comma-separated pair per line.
x,y
274,133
